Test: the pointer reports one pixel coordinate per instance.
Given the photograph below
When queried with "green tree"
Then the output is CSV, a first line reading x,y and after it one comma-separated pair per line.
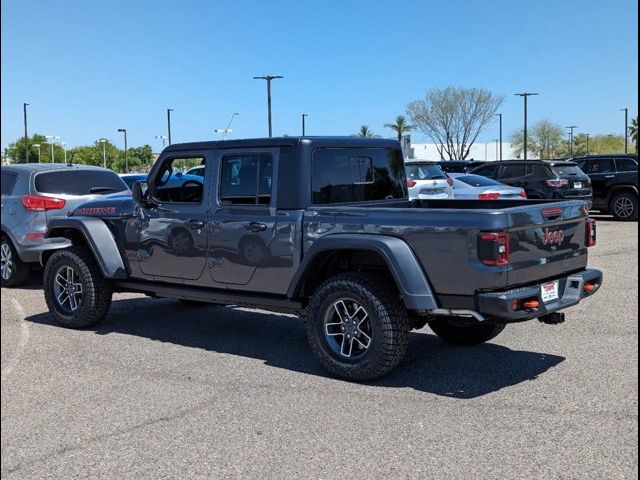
x,y
16,151
365,132
633,131
545,139
138,159
401,126
93,154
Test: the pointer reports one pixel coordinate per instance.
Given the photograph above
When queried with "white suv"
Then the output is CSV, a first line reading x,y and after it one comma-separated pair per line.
x,y
427,181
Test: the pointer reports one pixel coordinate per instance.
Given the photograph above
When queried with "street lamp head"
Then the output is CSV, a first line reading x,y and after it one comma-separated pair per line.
x,y
122,130
526,94
37,145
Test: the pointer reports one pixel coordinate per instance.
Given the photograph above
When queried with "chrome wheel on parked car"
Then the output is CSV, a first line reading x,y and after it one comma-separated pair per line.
x,y
347,328
7,261
623,207
67,289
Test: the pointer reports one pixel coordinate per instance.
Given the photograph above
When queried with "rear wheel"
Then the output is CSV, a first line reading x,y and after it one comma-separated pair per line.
x,y
357,326
624,206
458,332
13,271
76,292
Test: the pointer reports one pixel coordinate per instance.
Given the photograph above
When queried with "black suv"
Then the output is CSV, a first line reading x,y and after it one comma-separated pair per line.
x,y
540,179
615,183
459,166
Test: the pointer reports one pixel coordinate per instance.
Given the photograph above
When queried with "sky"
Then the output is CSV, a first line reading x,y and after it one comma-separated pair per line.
x,y
88,68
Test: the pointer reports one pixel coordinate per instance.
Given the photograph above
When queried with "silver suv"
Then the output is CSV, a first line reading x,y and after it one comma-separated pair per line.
x,y
34,193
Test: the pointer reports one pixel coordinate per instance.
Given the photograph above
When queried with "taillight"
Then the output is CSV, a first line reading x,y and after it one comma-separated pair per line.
x,y
450,181
489,196
558,182
590,233
523,194
493,249
37,203
411,183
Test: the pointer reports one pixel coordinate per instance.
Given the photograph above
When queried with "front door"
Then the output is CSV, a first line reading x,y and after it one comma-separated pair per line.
x,y
172,232
243,223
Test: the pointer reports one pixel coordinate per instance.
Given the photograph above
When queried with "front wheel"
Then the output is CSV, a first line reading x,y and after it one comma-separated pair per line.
x,y
624,206
458,333
357,326
77,294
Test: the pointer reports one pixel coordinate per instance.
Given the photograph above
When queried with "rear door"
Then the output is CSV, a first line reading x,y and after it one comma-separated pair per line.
x,y
244,218
627,171
602,172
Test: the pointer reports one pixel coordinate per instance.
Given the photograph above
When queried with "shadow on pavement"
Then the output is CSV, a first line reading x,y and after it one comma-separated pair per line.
x,y
430,365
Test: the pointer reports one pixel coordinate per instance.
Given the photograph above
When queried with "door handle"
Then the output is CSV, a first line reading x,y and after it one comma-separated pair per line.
x,y
609,176
255,227
193,223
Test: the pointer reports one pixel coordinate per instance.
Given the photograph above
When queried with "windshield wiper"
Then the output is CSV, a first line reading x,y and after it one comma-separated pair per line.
x,y
101,189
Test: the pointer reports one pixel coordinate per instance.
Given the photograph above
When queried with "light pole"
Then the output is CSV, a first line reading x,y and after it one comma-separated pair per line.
x,y
103,141
169,110
163,138
37,145
497,140
499,115
64,149
26,135
525,95
304,130
126,151
587,135
571,128
626,129
223,132
268,78
52,138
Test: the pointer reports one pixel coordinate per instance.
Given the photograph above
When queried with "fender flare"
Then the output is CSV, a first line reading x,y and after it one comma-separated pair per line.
x,y
397,255
98,237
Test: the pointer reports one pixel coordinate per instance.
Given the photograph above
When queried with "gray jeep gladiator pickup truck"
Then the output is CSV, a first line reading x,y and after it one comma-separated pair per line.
x,y
322,227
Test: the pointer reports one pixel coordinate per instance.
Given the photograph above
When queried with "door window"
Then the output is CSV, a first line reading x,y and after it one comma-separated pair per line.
x,y
513,171
173,185
601,165
486,171
246,179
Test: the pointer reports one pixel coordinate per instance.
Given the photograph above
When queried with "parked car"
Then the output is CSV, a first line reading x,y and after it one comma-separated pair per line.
x,y
426,180
470,186
34,193
340,244
197,170
614,179
459,166
131,178
540,179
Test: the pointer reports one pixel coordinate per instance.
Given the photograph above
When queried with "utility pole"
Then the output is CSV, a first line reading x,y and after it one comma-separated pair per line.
x,y
587,135
269,78
525,95
126,151
37,145
51,138
169,110
304,115
571,127
499,115
26,135
626,129
103,141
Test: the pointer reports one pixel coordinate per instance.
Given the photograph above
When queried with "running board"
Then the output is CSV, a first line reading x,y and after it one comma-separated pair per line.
x,y
223,297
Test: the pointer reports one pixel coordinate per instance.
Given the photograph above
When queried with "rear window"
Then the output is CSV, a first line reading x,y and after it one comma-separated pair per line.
x,y
8,182
79,182
424,172
562,171
342,175
626,165
477,181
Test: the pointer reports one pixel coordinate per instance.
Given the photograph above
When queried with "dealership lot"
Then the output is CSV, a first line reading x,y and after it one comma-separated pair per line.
x,y
160,389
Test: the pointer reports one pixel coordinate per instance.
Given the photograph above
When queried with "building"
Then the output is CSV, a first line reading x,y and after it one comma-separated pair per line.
x,y
479,151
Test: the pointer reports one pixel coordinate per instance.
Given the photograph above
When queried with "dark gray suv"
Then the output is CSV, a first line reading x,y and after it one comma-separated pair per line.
x,y
34,193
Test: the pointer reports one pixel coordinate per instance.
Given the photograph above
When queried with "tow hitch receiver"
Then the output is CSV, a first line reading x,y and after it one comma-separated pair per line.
x,y
552,318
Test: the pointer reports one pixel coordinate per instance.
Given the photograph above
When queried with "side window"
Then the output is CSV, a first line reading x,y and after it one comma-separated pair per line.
x,y
487,171
246,179
173,185
540,172
624,165
601,165
8,182
513,171
583,164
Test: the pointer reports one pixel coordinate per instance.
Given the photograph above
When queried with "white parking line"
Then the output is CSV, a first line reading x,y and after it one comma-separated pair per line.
x,y
22,341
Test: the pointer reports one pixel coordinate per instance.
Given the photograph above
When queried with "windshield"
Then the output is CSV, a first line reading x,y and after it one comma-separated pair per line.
x,y
566,171
424,172
478,181
79,182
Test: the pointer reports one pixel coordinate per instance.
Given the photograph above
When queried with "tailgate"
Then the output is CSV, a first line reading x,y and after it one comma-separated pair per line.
x,y
546,241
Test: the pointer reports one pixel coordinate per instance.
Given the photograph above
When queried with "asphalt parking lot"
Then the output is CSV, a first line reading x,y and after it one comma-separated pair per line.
x,y
163,390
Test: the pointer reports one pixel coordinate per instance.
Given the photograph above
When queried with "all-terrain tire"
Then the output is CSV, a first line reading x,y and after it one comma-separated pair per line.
x,y
473,334
96,290
624,207
15,269
387,319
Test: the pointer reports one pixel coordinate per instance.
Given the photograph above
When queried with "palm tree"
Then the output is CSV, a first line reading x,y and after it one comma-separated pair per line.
x,y
633,131
365,132
400,127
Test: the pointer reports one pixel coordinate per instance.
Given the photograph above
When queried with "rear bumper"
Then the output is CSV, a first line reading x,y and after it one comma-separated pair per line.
x,y
32,253
571,291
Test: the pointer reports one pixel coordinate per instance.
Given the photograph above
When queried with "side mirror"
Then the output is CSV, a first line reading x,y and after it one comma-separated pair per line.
x,y
139,191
